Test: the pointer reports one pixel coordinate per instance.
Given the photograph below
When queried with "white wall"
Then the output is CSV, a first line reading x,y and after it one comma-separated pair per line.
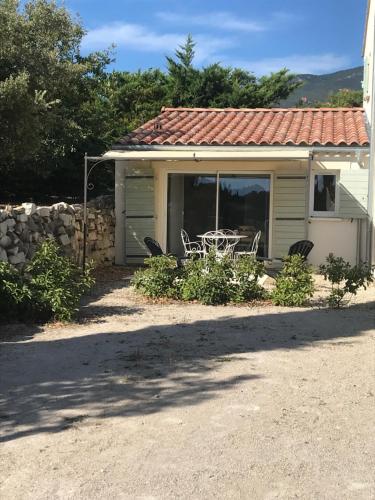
x,y
369,96
337,236
368,59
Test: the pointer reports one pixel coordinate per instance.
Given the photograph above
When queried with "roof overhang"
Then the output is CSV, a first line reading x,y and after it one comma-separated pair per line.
x,y
196,153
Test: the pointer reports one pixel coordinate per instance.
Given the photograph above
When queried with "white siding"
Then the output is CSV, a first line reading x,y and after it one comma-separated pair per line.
x,y
353,193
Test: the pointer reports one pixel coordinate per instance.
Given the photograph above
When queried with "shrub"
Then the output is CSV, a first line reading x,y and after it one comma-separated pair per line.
x,y
211,280
14,293
159,279
51,286
344,278
56,283
208,280
294,284
247,270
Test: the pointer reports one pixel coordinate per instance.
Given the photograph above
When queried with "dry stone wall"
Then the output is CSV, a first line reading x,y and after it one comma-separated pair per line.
x,y
24,227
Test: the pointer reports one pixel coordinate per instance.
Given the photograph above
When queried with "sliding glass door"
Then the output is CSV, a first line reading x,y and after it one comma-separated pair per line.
x,y
191,206
205,202
244,206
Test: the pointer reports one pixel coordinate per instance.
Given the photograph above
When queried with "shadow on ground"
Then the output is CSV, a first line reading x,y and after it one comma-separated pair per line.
x,y
17,332
47,384
108,280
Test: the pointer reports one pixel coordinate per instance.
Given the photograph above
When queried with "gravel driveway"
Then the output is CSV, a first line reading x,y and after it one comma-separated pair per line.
x,y
166,401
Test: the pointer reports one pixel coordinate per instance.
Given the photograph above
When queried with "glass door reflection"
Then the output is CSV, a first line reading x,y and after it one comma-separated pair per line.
x,y
244,206
191,206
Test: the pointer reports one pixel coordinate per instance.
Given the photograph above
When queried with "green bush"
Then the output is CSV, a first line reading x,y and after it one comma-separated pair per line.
x,y
247,270
50,287
14,293
159,279
344,278
56,283
294,284
210,280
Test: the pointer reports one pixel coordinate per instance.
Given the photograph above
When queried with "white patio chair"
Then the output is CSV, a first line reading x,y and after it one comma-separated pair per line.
x,y
218,241
209,241
231,243
253,250
191,247
231,232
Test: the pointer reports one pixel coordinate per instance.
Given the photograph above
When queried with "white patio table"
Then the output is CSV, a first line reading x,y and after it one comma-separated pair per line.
x,y
223,243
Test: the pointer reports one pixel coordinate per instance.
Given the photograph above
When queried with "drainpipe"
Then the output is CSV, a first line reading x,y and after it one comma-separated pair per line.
x,y
307,204
359,238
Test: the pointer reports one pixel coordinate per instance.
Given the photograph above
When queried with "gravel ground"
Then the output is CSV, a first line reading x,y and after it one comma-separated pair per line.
x,y
165,401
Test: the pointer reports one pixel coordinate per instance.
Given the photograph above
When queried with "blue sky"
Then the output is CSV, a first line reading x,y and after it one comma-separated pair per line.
x,y
307,36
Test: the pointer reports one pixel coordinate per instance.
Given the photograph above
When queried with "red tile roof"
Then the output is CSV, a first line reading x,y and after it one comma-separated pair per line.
x,y
242,127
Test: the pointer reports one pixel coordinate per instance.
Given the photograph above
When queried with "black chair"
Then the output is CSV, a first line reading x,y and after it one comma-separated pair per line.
x,y
155,250
153,247
302,248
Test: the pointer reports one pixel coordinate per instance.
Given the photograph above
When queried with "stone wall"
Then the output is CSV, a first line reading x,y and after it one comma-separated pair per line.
x,y
24,227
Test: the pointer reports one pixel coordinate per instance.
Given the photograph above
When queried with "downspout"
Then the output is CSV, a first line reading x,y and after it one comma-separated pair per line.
x,y
359,238
307,204
217,201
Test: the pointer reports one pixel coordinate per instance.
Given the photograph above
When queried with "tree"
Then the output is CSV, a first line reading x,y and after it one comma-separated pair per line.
x,y
219,86
134,98
45,88
183,78
345,98
37,69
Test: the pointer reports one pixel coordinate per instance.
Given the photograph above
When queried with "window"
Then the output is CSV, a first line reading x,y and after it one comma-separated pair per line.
x,y
324,194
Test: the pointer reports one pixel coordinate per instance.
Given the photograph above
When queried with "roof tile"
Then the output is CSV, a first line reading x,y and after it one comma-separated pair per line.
x,y
276,126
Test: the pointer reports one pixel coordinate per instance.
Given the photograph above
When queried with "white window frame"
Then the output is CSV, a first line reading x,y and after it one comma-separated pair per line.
x,y
326,214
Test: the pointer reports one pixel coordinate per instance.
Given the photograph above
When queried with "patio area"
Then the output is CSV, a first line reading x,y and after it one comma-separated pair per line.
x,y
166,400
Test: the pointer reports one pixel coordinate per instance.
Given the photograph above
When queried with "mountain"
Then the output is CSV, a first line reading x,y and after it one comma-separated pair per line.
x,y
319,87
255,188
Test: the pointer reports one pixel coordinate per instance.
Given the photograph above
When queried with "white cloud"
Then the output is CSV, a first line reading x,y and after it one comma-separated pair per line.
x,y
314,64
140,38
208,49
218,20
130,35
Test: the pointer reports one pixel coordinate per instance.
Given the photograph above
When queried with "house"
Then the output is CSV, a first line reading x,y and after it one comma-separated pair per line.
x,y
291,173
369,106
